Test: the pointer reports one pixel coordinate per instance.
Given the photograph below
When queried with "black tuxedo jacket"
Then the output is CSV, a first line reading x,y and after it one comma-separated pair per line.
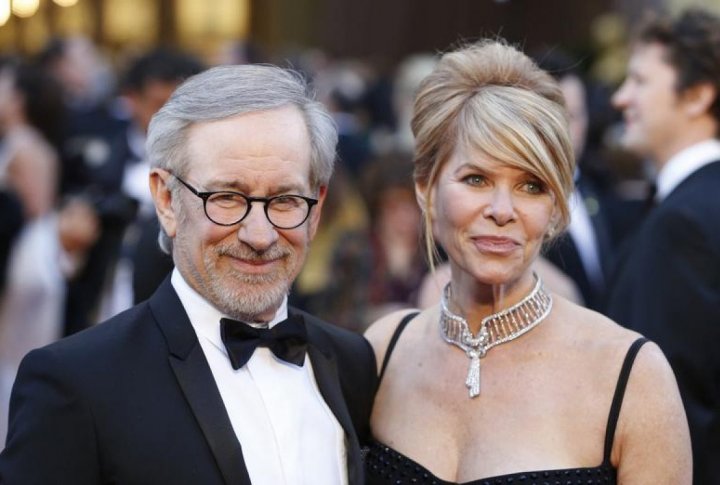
x,y
133,401
668,288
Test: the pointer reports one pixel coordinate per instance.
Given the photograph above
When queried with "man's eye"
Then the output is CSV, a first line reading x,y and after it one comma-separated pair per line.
x,y
286,202
227,199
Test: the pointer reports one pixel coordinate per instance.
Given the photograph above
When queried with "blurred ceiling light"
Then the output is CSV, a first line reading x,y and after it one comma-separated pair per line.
x,y
65,3
221,18
25,8
4,11
131,21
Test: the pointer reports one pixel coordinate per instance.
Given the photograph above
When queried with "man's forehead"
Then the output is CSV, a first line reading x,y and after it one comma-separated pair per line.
x,y
646,53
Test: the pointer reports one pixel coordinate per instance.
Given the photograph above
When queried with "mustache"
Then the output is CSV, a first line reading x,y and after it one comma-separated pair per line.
x,y
250,254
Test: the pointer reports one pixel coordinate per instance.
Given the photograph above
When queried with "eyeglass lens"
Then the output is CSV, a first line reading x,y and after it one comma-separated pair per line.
x,y
285,211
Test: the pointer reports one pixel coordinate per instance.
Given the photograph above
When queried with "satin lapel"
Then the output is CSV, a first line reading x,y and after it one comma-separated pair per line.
x,y
325,369
198,385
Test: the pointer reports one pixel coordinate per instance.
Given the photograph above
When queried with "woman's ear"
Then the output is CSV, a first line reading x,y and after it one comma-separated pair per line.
x,y
162,196
423,197
552,230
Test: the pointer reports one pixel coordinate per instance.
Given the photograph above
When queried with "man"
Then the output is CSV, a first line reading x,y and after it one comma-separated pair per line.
x,y
668,286
241,160
117,182
90,119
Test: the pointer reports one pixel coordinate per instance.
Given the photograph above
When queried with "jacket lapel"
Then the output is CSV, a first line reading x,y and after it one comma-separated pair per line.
x,y
197,383
325,370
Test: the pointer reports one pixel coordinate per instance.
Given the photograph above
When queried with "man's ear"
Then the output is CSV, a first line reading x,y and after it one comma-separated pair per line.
x,y
162,196
316,211
698,99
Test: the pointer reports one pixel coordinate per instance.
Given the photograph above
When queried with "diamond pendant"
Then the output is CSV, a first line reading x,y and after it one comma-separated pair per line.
x,y
495,329
473,378
476,349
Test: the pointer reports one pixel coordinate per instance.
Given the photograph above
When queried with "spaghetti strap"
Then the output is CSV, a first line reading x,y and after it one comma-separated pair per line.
x,y
619,394
393,340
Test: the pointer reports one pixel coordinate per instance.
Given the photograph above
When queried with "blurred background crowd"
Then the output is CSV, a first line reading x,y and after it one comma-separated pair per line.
x,y
80,80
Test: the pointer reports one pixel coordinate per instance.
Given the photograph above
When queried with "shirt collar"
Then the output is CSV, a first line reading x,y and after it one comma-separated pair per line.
x,y
684,163
204,317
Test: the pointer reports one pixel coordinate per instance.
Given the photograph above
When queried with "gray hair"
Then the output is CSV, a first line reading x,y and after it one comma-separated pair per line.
x,y
227,91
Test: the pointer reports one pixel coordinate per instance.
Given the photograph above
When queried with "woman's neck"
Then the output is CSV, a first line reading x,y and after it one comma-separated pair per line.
x,y
476,300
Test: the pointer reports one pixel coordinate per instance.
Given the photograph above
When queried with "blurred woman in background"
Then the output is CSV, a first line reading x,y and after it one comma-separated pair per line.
x,y
50,243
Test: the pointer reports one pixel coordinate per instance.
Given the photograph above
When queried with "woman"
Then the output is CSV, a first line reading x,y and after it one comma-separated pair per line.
x,y
504,382
51,242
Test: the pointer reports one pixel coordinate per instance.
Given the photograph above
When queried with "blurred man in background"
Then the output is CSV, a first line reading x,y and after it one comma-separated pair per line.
x,y
668,286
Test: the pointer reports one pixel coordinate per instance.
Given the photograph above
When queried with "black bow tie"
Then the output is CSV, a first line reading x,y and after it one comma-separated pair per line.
x,y
287,340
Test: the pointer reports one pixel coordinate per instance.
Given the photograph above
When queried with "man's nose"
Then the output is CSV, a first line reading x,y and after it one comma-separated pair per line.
x,y
256,230
619,98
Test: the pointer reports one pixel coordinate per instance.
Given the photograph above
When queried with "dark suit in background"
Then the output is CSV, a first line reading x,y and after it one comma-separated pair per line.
x,y
565,253
668,288
133,401
11,221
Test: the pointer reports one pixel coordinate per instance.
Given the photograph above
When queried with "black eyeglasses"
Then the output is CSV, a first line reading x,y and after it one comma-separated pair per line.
x,y
226,208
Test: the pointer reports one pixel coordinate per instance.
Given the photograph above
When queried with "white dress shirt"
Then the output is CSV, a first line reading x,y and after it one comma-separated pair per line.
x,y
287,432
685,163
583,234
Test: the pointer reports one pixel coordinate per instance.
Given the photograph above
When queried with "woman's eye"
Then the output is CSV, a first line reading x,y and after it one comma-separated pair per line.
x,y
534,187
474,179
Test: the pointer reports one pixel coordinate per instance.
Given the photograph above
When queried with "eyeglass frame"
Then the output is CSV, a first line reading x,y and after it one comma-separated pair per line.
x,y
265,201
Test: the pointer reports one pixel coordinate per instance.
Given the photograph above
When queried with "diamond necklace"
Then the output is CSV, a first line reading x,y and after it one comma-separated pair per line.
x,y
495,329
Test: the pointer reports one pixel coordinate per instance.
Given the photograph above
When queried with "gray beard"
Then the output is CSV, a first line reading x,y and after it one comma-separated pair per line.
x,y
258,297
257,294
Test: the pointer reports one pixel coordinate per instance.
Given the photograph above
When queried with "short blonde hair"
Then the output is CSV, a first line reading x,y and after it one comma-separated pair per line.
x,y
492,98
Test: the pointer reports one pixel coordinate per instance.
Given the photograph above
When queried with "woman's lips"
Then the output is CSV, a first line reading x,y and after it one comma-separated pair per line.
x,y
496,244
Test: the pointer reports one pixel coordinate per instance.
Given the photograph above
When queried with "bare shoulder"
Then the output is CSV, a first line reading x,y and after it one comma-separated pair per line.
x,y
653,440
28,144
599,344
650,368
652,443
589,325
380,332
652,386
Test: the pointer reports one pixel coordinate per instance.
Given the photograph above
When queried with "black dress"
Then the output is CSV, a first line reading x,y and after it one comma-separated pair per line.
x,y
384,465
